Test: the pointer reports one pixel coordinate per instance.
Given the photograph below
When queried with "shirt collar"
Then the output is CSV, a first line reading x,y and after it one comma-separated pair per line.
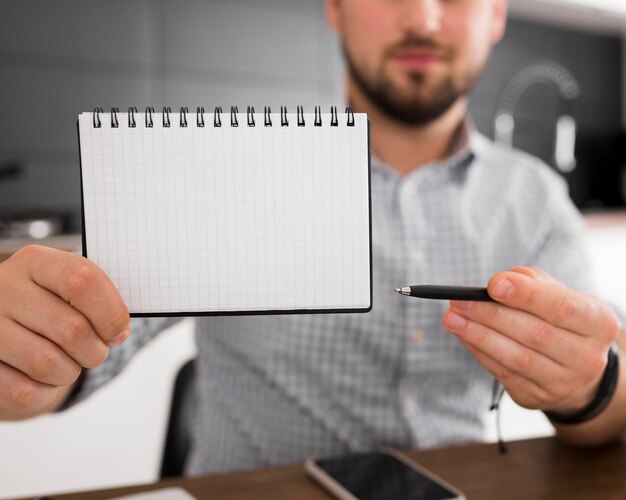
x,y
465,146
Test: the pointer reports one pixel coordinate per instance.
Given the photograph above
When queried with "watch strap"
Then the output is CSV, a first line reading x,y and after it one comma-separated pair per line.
x,y
602,398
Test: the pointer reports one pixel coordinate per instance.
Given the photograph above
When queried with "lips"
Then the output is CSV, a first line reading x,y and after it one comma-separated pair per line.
x,y
417,59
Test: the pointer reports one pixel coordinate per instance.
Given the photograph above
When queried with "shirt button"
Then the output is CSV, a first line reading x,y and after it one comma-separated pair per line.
x,y
407,190
417,257
417,336
409,405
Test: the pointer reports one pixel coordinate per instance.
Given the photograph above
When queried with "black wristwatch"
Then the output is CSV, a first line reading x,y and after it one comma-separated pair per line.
x,y
603,397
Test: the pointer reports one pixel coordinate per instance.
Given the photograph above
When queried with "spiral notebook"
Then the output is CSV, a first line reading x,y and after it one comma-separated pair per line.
x,y
195,213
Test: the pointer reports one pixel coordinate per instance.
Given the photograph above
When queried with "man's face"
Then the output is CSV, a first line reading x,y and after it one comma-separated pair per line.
x,y
414,58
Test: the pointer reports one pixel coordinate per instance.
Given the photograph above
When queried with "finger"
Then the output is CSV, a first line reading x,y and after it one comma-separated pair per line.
x,y
20,392
555,303
559,345
83,285
535,272
33,355
52,318
508,352
524,391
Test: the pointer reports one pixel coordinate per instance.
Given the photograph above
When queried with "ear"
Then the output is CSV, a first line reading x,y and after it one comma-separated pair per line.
x,y
332,14
500,10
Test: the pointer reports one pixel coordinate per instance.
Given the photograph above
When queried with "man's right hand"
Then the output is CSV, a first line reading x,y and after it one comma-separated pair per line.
x,y
59,313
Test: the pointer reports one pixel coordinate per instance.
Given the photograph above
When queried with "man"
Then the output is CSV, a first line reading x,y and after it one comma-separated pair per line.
x,y
448,207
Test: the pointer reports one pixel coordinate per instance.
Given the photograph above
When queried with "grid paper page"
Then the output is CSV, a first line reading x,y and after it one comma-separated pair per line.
x,y
229,219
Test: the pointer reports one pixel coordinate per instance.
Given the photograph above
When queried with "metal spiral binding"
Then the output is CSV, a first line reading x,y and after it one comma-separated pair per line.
x,y
96,117
131,117
166,116
334,122
148,117
283,116
268,118
233,116
114,122
199,116
217,118
350,116
318,116
300,115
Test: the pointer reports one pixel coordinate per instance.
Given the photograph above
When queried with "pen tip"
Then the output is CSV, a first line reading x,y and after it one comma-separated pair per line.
x,y
399,290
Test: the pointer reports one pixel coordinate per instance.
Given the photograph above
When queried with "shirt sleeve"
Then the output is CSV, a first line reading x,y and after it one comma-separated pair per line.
x,y
563,250
142,331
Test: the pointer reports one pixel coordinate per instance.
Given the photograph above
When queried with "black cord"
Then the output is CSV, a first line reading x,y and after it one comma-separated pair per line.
x,y
497,391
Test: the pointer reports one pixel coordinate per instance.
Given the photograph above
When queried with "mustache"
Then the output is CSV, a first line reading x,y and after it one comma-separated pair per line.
x,y
420,43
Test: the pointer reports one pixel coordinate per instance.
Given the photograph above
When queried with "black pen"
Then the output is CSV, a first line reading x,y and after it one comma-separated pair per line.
x,y
440,292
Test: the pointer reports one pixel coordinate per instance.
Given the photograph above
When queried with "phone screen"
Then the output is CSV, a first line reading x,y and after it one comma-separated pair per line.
x,y
373,476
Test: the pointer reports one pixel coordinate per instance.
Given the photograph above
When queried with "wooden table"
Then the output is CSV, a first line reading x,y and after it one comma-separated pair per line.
x,y
533,469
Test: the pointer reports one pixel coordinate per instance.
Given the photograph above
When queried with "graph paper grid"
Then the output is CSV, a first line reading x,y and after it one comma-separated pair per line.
x,y
200,220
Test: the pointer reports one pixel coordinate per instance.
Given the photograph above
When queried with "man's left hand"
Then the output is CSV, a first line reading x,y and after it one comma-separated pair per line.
x,y
547,344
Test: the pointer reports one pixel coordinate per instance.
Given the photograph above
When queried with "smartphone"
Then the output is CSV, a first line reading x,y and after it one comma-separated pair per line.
x,y
380,475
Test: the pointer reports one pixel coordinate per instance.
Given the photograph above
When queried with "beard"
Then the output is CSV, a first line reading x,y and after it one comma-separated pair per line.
x,y
418,106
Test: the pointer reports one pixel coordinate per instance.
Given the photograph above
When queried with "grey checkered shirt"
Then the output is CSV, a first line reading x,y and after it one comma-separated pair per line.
x,y
276,389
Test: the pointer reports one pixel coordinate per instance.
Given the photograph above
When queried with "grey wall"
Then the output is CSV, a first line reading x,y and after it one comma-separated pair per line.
x,y
63,57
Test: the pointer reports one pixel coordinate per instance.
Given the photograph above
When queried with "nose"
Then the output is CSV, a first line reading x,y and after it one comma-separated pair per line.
x,y
423,17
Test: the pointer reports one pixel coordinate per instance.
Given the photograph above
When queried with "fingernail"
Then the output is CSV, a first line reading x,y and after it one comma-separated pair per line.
x,y
464,305
456,321
121,337
504,289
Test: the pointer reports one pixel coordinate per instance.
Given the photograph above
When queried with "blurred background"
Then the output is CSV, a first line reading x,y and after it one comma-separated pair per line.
x,y
555,87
